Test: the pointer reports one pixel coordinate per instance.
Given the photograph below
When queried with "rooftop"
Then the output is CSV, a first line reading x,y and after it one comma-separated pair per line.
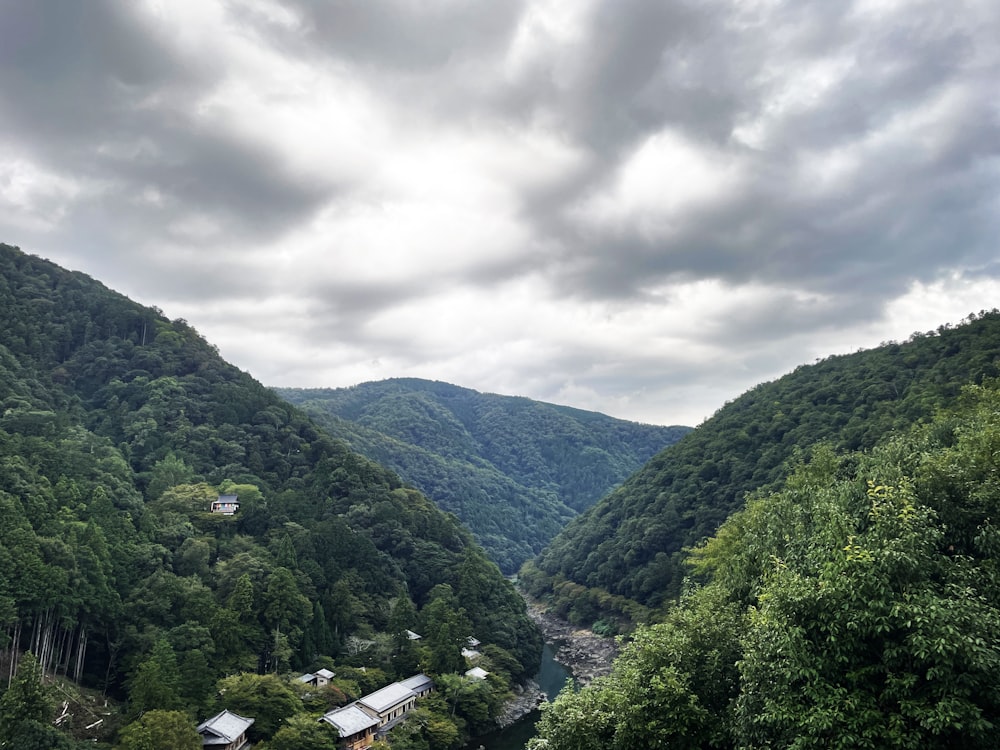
x,y
349,720
417,683
223,728
389,696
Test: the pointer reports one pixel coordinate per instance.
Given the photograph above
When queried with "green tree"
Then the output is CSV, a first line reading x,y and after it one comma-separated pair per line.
x,y
873,638
160,730
264,697
26,712
671,687
26,698
285,608
579,721
446,629
156,682
168,472
303,732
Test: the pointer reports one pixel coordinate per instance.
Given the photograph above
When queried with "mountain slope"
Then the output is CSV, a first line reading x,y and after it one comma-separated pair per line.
x,y
854,607
117,429
513,469
630,544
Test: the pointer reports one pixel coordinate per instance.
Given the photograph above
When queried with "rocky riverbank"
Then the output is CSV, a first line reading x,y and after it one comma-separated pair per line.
x,y
586,654
525,701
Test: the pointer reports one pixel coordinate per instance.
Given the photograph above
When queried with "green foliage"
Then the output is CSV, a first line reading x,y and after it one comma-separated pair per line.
x,y
631,543
156,683
267,698
843,611
160,730
303,732
512,469
26,700
672,685
117,430
445,629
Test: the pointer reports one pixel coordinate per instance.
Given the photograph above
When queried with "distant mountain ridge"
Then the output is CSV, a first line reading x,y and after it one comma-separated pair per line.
x,y
629,547
513,469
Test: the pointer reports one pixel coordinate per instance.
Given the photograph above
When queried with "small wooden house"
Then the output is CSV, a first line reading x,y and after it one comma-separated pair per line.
x,y
227,505
323,677
225,731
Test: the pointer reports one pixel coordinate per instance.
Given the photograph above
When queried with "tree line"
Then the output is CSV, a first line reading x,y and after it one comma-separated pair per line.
x,y
856,606
118,428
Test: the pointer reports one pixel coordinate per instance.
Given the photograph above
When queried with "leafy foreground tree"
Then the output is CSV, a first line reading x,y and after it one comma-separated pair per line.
x,y
841,612
26,710
160,730
302,732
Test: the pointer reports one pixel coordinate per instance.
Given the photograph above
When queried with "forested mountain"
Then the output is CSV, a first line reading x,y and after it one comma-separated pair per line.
x,y
117,430
856,607
514,470
625,554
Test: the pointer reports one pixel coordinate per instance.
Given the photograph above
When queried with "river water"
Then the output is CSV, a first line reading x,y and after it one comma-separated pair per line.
x,y
551,678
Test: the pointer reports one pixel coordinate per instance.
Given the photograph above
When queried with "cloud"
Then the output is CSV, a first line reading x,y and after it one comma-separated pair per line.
x,y
640,207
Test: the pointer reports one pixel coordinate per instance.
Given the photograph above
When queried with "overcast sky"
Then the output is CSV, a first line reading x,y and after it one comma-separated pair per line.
x,y
642,208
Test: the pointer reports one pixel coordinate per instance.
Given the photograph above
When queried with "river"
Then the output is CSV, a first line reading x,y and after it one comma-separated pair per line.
x,y
551,678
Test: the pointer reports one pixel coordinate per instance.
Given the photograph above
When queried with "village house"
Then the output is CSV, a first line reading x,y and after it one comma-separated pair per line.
x,y
375,714
227,505
225,731
389,705
321,678
477,673
355,728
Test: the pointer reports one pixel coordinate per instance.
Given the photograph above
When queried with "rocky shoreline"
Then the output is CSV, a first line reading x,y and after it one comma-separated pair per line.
x,y
526,700
584,653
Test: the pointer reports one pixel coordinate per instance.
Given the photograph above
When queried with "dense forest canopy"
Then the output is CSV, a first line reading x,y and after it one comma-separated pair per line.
x,y
118,428
514,470
624,556
856,607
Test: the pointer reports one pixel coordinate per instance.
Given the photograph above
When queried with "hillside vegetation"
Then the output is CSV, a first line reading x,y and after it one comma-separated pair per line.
x,y
856,607
117,430
514,470
623,557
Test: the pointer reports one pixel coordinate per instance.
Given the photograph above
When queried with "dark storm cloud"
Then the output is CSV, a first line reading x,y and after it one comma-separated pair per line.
x,y
915,204
90,89
803,164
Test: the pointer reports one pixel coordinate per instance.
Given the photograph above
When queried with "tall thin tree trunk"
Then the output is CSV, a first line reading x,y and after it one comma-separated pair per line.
x,y
36,633
81,654
14,652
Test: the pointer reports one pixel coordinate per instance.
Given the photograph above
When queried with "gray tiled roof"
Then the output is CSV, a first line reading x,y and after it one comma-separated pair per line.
x,y
417,683
389,696
349,720
225,726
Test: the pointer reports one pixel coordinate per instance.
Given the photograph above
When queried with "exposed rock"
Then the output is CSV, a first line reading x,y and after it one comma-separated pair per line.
x,y
583,652
526,700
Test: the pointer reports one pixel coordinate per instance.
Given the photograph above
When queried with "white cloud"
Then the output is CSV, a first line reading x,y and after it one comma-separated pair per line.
x,y
665,180
629,206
